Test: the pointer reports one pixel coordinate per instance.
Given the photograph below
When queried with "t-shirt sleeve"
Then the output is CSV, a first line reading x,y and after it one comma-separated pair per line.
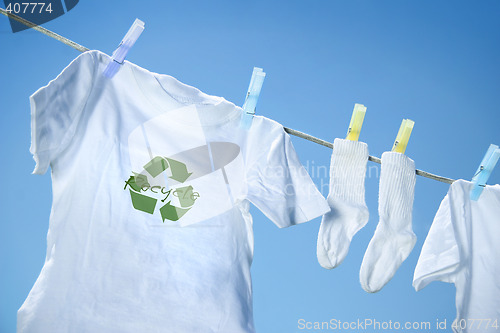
x,y
56,109
278,184
440,256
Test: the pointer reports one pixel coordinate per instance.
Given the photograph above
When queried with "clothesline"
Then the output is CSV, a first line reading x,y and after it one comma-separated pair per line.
x,y
288,130
371,158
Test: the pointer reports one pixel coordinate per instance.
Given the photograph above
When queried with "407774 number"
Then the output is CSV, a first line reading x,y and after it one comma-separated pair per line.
x,y
29,7
475,324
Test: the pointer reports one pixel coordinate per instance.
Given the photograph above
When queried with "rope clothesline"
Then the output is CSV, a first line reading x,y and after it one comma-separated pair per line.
x,y
288,130
44,31
371,158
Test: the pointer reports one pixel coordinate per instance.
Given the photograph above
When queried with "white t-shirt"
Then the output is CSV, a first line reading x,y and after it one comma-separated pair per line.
x,y
150,228
463,247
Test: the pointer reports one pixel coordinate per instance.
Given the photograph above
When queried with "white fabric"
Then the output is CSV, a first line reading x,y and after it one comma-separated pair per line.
x,y
463,248
394,238
348,212
150,228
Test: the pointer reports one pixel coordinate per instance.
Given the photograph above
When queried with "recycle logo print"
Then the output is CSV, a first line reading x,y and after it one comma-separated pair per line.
x,y
140,187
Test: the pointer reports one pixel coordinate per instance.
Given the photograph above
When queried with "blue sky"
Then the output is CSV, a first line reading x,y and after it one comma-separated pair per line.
x,y
435,62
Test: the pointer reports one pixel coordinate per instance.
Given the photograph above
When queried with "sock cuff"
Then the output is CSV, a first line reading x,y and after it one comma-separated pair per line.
x,y
356,150
348,170
397,185
398,160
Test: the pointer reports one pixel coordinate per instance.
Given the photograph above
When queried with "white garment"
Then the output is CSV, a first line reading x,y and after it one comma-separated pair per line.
x,y
346,198
463,248
393,239
150,228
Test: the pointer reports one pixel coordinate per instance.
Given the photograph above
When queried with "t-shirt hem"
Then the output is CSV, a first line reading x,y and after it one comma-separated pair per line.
x,y
310,210
444,266
42,159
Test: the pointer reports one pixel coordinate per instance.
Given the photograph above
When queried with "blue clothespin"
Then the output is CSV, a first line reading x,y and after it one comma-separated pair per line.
x,y
126,44
484,171
253,93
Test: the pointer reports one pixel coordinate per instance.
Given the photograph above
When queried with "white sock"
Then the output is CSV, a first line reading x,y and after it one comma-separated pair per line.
x,y
347,202
394,238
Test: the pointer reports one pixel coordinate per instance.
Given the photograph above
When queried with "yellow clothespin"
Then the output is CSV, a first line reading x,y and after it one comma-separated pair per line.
x,y
358,115
403,136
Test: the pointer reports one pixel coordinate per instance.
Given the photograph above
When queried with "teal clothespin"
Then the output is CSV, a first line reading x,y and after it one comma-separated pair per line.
x,y
252,97
484,171
126,44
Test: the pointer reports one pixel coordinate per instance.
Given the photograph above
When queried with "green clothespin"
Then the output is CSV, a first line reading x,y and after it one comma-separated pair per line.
x,y
358,115
403,136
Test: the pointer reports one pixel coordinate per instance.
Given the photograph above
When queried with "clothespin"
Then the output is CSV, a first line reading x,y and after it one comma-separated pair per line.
x,y
484,171
126,44
252,97
358,115
403,136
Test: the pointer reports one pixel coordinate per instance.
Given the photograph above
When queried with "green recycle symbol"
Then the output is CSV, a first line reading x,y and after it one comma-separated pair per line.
x,y
139,183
